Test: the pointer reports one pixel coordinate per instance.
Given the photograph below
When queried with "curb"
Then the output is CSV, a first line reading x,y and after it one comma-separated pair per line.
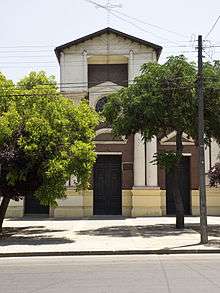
x,y
110,252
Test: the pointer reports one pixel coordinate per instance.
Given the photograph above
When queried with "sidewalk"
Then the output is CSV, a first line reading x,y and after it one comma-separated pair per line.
x,y
104,235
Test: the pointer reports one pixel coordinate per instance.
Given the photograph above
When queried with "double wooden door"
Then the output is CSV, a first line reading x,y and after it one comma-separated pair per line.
x,y
33,206
184,184
107,185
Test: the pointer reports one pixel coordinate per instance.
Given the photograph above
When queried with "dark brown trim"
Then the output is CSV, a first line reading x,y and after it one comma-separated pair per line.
x,y
107,30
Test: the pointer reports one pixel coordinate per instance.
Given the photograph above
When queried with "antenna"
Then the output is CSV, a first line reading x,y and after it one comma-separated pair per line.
x,y
109,6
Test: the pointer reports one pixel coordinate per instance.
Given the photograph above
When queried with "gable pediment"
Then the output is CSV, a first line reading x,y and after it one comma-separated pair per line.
x,y
107,38
105,87
170,139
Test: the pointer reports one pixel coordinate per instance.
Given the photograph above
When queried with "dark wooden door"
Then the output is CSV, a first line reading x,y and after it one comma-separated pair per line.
x,y
32,206
107,185
184,188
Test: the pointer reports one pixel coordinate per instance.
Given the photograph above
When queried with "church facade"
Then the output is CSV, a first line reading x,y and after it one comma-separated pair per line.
x,y
124,181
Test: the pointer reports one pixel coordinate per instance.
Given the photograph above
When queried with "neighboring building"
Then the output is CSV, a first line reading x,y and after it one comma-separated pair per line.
x,y
124,181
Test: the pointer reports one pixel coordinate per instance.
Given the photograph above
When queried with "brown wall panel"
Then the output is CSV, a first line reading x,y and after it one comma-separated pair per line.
x,y
193,164
127,159
116,73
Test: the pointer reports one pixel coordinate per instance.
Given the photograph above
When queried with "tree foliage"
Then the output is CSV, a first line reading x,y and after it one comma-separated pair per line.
x,y
214,175
163,99
212,100
44,139
34,79
158,102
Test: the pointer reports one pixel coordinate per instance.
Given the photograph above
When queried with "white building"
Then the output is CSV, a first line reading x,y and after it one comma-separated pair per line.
x,y
124,180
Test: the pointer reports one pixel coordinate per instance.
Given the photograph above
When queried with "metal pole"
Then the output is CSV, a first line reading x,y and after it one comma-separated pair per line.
x,y
202,187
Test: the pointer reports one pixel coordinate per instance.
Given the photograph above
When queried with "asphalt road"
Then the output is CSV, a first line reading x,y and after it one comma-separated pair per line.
x,y
152,273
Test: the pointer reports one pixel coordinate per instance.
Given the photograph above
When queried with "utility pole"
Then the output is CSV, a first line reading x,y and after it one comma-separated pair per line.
x,y
202,187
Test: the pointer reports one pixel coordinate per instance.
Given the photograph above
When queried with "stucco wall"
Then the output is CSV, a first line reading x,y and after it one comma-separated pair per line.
x,y
73,60
127,150
15,209
135,203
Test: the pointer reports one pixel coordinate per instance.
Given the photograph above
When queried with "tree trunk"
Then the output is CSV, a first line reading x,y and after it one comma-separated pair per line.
x,y
178,199
176,183
3,208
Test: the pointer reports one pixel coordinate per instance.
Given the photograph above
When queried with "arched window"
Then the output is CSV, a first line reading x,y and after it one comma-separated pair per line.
x,y
100,104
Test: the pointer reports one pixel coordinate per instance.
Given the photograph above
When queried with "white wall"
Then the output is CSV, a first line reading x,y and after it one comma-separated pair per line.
x,y
73,61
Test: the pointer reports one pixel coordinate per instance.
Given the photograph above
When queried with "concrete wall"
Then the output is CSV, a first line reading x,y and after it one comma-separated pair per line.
x,y
146,202
80,204
213,202
71,206
15,209
135,203
101,50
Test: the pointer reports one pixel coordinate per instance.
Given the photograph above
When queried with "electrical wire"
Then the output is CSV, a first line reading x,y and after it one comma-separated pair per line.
x,y
80,84
129,22
150,24
29,56
212,28
99,92
142,29
136,19
26,46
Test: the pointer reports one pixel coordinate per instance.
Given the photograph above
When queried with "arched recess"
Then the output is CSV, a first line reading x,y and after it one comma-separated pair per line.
x,y
104,136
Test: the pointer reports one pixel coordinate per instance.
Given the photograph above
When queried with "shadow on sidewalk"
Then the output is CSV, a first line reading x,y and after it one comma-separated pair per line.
x,y
148,231
158,230
37,235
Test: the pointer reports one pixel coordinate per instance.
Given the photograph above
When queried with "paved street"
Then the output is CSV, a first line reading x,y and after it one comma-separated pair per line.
x,y
153,273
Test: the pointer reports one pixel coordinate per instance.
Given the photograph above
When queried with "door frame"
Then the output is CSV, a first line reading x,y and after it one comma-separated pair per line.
x,y
119,154
43,214
190,190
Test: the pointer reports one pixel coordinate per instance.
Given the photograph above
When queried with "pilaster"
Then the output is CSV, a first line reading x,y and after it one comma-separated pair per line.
x,y
85,70
139,161
151,169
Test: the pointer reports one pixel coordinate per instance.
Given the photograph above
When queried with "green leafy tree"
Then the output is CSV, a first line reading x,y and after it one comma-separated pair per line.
x,y
214,175
34,79
44,139
161,100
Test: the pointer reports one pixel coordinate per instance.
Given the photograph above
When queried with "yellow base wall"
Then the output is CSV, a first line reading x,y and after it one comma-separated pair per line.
x,y
80,204
126,203
213,202
146,202
135,203
15,209
77,204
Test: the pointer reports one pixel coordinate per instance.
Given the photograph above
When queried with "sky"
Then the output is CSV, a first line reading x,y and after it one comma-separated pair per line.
x,y
31,29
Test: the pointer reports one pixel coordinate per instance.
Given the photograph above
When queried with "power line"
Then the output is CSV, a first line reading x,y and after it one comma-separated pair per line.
x,y
150,24
213,26
35,66
25,51
218,46
137,19
21,62
82,85
99,92
101,81
207,54
78,61
29,56
26,46
135,25
142,29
